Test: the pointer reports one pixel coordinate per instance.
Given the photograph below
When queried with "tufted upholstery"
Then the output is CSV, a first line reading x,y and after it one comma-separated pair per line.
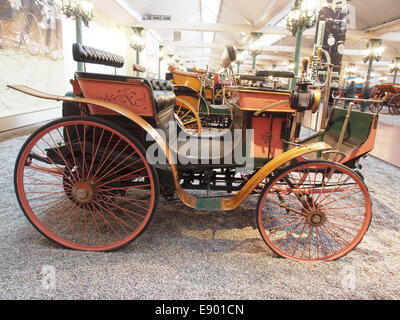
x,y
87,54
163,93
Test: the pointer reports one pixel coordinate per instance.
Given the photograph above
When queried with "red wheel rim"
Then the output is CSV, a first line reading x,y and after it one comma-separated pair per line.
x,y
314,211
96,200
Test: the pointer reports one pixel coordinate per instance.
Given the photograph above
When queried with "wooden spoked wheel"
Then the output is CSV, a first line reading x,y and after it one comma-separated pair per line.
x,y
373,107
2,36
52,50
187,115
394,104
12,33
94,192
32,34
314,210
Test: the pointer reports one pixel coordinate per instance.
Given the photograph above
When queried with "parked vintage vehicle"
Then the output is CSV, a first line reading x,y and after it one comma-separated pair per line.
x,y
92,181
391,93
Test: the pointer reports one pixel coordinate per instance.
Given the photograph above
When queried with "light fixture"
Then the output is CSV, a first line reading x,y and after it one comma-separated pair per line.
x,y
373,53
374,50
373,74
350,70
78,8
395,67
382,79
241,57
170,59
137,40
255,47
290,65
302,16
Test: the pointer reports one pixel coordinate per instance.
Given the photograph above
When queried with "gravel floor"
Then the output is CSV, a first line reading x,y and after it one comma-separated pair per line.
x,y
182,255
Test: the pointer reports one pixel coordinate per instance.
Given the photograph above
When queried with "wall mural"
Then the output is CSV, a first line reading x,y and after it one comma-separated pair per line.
x,y
31,53
331,36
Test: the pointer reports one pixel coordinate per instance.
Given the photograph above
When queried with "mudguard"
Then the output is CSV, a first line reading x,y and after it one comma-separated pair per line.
x,y
190,200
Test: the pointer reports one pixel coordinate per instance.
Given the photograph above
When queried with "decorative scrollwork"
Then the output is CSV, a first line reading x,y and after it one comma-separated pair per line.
x,y
125,96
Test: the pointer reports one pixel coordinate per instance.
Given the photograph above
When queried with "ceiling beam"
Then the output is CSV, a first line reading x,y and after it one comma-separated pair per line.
x,y
181,44
384,33
288,49
210,27
386,27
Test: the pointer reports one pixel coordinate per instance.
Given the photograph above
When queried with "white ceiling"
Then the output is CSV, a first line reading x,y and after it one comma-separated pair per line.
x,y
237,15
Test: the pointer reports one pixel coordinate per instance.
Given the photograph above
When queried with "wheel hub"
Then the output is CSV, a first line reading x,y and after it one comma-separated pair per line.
x,y
316,218
83,192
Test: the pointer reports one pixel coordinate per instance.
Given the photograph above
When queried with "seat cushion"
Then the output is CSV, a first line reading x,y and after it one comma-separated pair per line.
x,y
163,93
163,99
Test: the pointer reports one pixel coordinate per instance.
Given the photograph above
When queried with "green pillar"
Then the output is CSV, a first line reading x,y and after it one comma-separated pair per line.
x,y
299,39
369,69
238,68
137,60
395,77
159,68
254,61
79,26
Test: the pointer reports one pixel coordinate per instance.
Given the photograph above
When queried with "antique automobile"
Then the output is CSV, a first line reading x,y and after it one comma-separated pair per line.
x,y
194,96
212,83
92,181
391,93
205,82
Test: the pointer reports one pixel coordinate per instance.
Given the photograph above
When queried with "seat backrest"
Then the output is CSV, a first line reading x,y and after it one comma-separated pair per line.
x,y
358,128
228,56
87,54
275,73
187,79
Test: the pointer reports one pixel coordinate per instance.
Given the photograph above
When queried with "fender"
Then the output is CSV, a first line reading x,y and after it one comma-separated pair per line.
x,y
189,200
234,202
185,197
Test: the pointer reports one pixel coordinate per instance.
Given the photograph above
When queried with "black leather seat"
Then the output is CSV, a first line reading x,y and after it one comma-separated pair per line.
x,y
82,53
163,93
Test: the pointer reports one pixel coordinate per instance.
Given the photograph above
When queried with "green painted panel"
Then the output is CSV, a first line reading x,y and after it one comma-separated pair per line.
x,y
358,128
206,204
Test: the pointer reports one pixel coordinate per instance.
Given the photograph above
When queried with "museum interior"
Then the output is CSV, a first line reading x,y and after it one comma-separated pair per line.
x,y
200,149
